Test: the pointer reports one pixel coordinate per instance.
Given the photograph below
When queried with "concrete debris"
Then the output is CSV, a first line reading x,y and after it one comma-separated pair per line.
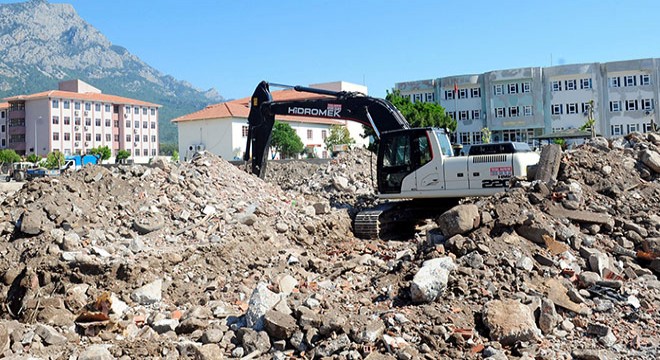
x,y
203,260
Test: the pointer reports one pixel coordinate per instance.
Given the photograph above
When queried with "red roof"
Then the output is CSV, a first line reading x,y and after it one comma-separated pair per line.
x,y
81,96
4,105
241,109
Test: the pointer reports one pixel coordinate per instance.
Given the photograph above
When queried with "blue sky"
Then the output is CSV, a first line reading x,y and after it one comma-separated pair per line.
x,y
232,45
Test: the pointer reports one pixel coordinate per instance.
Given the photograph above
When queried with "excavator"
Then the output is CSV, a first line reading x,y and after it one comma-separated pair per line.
x,y
415,166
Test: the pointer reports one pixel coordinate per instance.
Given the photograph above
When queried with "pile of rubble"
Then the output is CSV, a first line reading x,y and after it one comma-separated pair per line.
x,y
205,261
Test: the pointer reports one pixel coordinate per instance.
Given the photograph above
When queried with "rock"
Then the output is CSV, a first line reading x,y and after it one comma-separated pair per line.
x,y
548,318
333,321
4,338
431,279
260,302
31,223
598,329
307,318
49,335
598,262
71,241
278,325
253,340
509,321
340,183
474,260
96,352
210,352
591,354
535,232
165,325
190,325
321,208
588,278
332,346
367,331
148,294
287,284
651,159
459,220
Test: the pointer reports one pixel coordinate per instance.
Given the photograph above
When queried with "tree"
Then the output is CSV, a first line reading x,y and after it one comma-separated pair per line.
x,y
590,124
339,135
9,156
103,152
175,156
33,158
54,160
122,155
422,114
167,149
285,140
485,135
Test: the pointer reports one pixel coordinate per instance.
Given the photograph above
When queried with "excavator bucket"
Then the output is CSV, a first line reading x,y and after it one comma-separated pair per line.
x,y
260,126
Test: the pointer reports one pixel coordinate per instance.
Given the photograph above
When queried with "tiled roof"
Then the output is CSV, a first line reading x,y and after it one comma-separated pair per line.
x,y
81,96
240,109
4,105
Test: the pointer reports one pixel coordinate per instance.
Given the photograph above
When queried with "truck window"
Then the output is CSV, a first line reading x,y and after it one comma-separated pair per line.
x,y
445,145
422,149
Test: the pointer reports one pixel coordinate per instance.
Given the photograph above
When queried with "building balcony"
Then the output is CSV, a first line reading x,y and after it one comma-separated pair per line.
x,y
15,114
16,130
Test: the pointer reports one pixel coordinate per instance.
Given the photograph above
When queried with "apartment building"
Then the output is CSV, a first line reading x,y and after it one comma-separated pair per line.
x,y
222,128
78,117
4,109
522,104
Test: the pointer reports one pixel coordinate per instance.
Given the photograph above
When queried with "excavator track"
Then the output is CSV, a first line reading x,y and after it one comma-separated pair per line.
x,y
388,220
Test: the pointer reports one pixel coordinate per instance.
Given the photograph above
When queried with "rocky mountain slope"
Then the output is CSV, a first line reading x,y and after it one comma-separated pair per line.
x,y
43,43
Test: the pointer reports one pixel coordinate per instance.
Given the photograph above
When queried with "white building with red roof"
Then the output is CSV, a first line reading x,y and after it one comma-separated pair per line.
x,y
78,117
222,128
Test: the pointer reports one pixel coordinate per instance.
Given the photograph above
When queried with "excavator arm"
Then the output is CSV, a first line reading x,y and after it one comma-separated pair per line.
x,y
378,114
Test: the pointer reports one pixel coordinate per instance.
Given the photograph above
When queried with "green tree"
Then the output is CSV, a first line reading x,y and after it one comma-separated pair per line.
x,y
285,140
123,155
54,160
590,124
9,156
33,158
339,135
175,156
421,114
167,149
103,152
485,135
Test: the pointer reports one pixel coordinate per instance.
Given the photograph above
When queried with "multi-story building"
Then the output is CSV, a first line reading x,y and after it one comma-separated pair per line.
x,y
222,128
78,117
522,104
4,109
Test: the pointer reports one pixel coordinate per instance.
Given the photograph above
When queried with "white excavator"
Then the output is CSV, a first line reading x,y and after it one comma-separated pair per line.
x,y
414,165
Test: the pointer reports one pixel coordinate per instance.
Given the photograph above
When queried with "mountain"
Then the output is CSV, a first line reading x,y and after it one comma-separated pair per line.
x,y
42,44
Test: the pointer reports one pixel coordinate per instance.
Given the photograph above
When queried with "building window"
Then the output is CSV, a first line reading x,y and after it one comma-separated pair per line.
x,y
117,138
571,84
108,137
617,130
513,111
136,152
585,83
67,136
128,137
557,129
513,88
136,124
145,152
67,120
463,115
475,92
464,138
88,137
88,121
647,104
526,87
615,106
56,120
476,138
97,122
107,107
145,138
499,112
76,121
430,97
128,123
630,80
648,127
153,124
66,104
97,107
127,109
631,105
2,128
88,106
476,114
451,114
144,111
463,93
56,136
556,86
153,138
108,122
98,137
116,123
309,134
153,111
449,94
244,131
77,136
557,109
145,124
417,98
498,89
585,108
324,134
527,110
572,108
645,79
76,106
614,81
56,104
633,128
136,110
